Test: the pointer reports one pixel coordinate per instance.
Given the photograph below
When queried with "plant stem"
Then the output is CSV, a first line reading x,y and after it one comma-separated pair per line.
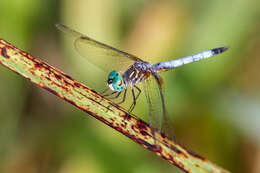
x,y
72,91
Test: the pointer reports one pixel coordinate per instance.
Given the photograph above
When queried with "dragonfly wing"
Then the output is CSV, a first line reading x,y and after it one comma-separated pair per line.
x,y
99,54
157,113
153,104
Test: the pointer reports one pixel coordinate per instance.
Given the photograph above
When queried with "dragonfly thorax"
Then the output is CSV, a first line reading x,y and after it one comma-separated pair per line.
x,y
138,72
115,81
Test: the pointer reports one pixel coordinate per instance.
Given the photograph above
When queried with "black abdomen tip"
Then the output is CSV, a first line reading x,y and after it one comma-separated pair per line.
x,y
220,50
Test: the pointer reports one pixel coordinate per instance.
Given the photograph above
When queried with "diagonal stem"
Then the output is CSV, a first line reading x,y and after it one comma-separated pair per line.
x,y
86,99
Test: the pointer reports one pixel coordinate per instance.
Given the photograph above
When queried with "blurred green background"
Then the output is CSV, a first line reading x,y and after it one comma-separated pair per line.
x,y
214,104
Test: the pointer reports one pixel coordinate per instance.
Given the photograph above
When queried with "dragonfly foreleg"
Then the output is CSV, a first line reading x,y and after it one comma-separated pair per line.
x,y
135,97
110,94
115,97
123,97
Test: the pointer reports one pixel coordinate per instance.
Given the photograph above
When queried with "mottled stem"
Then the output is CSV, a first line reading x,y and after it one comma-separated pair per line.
x,y
72,91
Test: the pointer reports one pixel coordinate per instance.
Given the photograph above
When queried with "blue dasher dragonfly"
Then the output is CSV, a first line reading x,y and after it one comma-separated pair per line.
x,y
127,71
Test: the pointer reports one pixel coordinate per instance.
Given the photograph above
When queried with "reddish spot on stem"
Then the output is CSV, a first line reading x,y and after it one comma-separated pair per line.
x,y
196,155
67,76
66,83
144,133
37,65
58,77
141,125
50,90
4,53
127,117
77,84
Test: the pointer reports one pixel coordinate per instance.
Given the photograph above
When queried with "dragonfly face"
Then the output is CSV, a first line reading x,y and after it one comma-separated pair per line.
x,y
115,81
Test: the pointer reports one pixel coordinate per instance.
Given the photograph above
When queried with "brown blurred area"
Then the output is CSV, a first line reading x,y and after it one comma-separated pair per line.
x,y
214,104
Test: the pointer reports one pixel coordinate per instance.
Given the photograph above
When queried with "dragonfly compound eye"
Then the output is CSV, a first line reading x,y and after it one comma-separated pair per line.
x,y
110,81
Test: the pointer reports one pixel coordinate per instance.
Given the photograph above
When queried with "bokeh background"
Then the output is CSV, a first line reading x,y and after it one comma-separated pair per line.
x,y
214,104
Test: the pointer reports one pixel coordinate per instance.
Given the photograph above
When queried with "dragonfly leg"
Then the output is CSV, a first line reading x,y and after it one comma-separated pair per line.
x,y
139,92
134,98
123,97
115,97
110,94
134,101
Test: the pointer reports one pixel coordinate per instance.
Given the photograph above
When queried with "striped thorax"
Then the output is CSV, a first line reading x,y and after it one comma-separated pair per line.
x,y
138,72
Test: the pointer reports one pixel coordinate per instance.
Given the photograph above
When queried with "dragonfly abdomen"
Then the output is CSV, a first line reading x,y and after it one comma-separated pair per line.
x,y
164,66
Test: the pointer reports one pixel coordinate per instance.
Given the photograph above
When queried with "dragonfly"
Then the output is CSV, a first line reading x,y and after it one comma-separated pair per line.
x,y
126,71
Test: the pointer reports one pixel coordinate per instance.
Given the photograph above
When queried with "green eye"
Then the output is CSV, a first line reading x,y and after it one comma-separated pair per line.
x,y
115,81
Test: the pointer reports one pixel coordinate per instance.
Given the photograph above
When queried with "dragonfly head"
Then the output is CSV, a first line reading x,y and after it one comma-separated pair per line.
x,y
115,81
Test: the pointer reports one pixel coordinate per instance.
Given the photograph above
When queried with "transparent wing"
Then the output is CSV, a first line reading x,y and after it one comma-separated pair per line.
x,y
99,54
153,103
157,113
